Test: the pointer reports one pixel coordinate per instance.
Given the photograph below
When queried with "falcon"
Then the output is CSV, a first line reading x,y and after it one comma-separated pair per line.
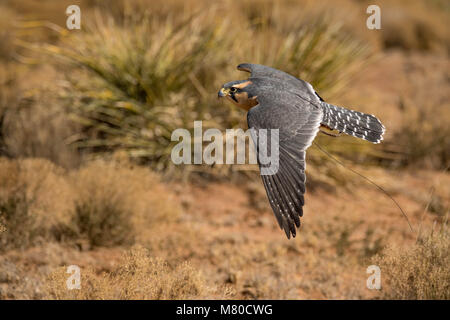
x,y
277,100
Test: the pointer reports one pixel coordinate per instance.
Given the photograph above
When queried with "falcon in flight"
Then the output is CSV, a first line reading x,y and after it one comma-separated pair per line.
x,y
277,100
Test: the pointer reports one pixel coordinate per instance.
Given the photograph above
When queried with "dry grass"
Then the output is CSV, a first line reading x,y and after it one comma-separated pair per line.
x,y
419,272
138,276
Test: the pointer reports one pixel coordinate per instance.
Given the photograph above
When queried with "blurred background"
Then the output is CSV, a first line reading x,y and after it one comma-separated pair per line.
x,y
86,179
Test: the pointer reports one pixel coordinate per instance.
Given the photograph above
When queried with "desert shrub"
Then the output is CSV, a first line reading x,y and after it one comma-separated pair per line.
x,y
427,142
422,136
28,189
412,30
100,213
100,204
132,83
115,203
18,223
103,222
420,272
8,97
18,216
139,276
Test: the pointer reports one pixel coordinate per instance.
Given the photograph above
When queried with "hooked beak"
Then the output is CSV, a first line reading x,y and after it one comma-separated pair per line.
x,y
223,92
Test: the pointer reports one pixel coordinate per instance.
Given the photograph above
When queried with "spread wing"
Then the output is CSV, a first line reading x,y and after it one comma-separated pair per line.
x,y
298,122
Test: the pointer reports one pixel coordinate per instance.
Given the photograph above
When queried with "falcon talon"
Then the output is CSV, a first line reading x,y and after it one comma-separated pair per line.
x,y
277,100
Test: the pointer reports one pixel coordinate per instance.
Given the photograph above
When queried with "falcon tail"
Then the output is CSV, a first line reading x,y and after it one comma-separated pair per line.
x,y
354,123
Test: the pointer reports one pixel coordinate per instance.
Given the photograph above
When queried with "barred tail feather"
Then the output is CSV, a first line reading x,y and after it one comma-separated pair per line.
x,y
354,123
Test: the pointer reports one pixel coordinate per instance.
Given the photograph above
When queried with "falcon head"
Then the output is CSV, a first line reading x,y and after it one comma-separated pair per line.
x,y
240,93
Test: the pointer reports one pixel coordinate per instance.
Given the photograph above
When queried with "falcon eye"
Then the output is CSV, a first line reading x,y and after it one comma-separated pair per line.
x,y
233,89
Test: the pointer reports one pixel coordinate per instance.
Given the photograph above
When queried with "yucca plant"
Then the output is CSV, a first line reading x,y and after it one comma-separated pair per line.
x,y
138,82
132,84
